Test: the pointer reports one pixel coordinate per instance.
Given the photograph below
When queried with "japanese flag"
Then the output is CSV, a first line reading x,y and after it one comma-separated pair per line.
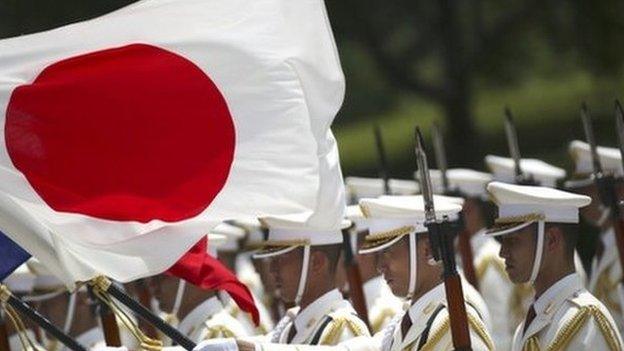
x,y
127,137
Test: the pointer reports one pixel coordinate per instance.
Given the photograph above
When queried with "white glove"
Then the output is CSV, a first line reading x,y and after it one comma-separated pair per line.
x,y
228,344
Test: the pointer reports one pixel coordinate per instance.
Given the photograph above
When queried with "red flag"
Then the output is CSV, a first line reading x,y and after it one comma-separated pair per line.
x,y
206,272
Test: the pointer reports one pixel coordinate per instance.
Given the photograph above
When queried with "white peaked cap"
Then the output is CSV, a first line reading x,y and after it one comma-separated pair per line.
x,y
468,182
519,205
452,199
392,217
287,232
610,158
359,187
215,242
233,235
22,280
543,173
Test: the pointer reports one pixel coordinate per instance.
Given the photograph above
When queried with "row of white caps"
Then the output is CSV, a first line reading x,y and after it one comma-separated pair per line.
x,y
389,218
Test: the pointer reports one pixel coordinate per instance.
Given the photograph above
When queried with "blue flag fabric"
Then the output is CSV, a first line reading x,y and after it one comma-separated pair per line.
x,y
11,256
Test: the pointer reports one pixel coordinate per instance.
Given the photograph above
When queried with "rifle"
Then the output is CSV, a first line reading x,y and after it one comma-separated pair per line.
x,y
514,151
606,183
383,161
4,333
354,277
15,304
441,240
465,248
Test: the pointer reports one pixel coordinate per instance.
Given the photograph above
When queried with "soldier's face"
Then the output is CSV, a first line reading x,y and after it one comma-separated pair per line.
x,y
518,251
394,265
286,270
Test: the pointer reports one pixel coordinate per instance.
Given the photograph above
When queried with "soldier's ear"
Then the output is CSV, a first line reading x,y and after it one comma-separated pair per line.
x,y
424,247
553,238
318,261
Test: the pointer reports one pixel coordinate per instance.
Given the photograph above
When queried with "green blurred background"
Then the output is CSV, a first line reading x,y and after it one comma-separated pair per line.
x,y
459,63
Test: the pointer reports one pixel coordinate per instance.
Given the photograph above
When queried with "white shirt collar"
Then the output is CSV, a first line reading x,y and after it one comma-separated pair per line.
x,y
432,296
200,314
317,309
545,300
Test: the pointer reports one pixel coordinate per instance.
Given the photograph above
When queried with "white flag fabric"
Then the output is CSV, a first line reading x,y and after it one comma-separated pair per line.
x,y
127,137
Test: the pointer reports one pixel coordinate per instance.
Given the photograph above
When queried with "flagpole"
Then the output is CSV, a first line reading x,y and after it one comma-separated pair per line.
x,y
104,284
7,297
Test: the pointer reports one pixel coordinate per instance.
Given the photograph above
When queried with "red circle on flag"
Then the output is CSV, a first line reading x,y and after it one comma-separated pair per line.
x,y
131,133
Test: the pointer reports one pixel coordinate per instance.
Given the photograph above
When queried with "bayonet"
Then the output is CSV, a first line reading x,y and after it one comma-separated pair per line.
x,y
383,162
464,245
440,155
512,144
441,241
591,140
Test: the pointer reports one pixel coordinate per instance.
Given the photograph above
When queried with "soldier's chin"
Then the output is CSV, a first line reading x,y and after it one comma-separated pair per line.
x,y
516,277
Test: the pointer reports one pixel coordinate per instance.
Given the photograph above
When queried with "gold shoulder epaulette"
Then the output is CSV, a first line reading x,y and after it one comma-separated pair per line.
x,y
572,327
340,321
474,323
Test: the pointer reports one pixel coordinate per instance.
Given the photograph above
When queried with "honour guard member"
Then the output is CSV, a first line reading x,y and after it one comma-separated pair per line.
x,y
227,254
381,304
255,273
606,272
303,261
396,227
516,298
537,227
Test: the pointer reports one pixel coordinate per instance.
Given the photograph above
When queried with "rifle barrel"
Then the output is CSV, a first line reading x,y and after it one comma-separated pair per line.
x,y
354,276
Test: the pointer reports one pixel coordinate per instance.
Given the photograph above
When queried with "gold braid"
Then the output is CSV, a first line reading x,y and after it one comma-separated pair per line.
x,y
474,323
219,331
572,327
378,322
100,286
332,335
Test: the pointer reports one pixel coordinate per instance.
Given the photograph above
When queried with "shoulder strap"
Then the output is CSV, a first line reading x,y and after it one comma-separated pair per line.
x,y
425,334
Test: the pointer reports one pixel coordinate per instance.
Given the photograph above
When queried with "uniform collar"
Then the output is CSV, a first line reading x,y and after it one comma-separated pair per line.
x,y
419,313
200,314
549,302
424,303
311,315
570,281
